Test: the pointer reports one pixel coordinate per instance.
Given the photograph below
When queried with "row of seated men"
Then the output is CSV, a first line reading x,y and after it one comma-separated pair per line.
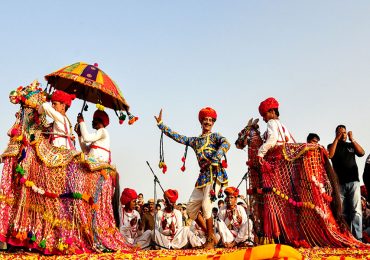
x,y
232,226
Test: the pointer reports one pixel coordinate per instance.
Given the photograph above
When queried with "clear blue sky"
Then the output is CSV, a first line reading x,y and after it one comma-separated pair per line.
x,y
313,56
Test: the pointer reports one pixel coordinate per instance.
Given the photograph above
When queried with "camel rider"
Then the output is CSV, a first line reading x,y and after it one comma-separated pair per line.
x,y
96,145
276,133
61,133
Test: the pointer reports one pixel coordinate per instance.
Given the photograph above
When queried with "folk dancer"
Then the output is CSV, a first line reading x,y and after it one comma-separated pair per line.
x,y
209,148
130,221
96,145
61,133
234,225
170,232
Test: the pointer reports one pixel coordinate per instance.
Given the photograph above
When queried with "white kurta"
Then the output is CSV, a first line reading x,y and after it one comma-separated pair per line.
x,y
234,225
61,126
276,134
129,228
165,236
100,139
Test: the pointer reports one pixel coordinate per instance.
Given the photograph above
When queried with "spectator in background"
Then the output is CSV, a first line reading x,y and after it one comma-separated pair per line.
x,y
313,138
220,204
148,217
366,177
343,156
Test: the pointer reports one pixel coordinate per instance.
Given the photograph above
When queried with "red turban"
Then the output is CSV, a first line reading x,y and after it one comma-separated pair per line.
x,y
63,97
103,116
171,195
128,195
231,191
266,105
207,112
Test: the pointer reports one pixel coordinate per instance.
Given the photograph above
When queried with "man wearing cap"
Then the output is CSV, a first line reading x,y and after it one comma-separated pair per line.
x,y
170,232
234,225
277,133
209,148
97,144
61,134
130,222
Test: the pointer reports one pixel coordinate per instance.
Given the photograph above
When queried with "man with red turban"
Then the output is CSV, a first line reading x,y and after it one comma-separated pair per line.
x,y
130,221
97,144
277,133
234,225
170,232
209,148
61,135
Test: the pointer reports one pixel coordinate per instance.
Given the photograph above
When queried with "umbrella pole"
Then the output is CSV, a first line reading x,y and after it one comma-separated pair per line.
x,y
83,107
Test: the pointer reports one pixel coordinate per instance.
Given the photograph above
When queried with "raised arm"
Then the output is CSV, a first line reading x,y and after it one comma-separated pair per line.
x,y
51,112
358,149
172,134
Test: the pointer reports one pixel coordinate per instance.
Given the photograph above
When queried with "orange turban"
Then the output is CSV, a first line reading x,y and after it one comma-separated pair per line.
x,y
103,116
266,105
63,97
207,112
171,195
128,195
231,191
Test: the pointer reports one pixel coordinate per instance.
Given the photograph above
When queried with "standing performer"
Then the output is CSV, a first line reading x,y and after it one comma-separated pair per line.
x,y
61,135
234,225
209,148
97,144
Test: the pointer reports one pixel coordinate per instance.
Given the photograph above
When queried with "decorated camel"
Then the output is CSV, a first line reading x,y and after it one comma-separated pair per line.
x,y
52,199
294,193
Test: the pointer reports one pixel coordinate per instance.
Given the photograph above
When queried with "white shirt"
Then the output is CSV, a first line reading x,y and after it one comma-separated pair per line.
x,y
232,222
276,134
61,126
174,217
129,224
99,138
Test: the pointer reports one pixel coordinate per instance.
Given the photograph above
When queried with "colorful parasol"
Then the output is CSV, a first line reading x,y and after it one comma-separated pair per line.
x,y
89,83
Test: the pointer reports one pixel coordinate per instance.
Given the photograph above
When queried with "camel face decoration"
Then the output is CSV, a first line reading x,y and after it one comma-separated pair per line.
x,y
246,134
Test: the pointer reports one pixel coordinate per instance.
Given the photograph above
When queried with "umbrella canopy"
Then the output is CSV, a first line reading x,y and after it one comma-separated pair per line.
x,y
88,83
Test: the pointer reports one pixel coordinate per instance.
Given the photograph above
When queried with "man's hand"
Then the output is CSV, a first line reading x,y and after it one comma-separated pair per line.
x,y
164,224
159,118
350,135
80,118
260,160
77,129
339,135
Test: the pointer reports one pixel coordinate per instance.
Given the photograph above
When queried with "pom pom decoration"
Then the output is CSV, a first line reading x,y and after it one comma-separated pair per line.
x,y
131,119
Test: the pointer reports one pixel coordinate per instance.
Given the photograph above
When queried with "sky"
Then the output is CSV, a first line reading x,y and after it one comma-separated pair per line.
x,y
312,56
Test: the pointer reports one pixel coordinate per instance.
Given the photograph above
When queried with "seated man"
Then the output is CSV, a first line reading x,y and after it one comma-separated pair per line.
x,y
130,221
170,232
234,225
96,145
61,133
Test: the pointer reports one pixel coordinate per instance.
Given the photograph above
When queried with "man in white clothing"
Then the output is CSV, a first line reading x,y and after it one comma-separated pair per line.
x,y
170,232
96,145
277,133
234,226
130,221
61,133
